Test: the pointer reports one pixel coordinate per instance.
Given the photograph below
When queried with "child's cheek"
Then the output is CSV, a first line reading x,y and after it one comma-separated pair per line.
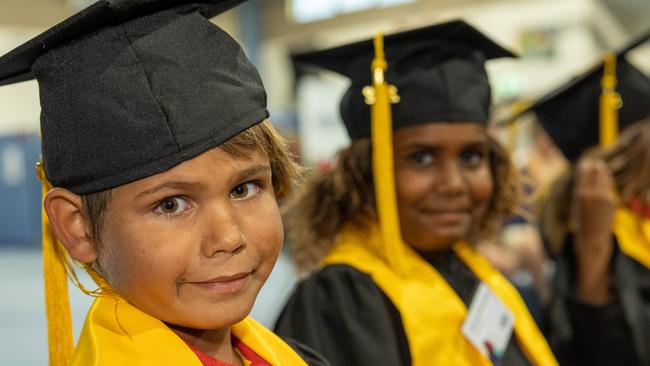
x,y
270,234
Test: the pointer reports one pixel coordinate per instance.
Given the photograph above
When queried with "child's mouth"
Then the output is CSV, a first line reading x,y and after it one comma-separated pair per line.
x,y
225,285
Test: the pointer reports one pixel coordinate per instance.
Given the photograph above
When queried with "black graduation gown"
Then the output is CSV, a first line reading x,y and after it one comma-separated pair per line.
x,y
309,355
341,313
614,334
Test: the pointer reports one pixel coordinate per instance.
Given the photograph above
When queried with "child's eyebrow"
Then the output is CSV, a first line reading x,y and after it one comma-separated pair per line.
x,y
416,145
169,185
250,172
238,177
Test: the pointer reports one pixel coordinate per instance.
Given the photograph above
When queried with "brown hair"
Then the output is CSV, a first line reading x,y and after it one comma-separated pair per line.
x,y
345,196
629,161
285,172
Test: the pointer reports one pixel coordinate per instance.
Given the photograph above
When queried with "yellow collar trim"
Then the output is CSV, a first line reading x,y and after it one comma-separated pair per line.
x,y
118,333
633,235
434,336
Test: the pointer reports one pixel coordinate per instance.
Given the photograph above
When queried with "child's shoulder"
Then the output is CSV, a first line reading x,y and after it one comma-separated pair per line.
x,y
117,333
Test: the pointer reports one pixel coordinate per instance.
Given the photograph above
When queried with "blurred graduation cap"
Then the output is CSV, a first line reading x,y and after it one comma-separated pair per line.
x,y
132,88
438,70
129,89
571,113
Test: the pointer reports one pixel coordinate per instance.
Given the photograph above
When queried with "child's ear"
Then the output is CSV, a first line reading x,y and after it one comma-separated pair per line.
x,y
70,224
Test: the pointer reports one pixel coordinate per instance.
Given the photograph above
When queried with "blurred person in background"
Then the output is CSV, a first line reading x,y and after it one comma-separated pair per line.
x,y
595,224
429,299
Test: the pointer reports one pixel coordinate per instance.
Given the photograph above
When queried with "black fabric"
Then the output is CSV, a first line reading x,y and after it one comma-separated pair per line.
x,y
340,312
16,65
343,315
309,355
464,282
132,88
612,334
438,70
570,114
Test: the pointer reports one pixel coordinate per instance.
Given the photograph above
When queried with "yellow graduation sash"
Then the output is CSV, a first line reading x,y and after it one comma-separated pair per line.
x,y
118,333
431,312
633,235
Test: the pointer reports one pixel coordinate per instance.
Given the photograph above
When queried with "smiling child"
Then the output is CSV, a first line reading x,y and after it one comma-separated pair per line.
x,y
165,176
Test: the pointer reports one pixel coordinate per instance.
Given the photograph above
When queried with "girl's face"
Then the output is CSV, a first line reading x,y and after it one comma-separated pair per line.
x,y
192,246
443,181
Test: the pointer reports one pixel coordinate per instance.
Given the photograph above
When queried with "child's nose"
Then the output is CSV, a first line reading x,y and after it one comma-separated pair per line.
x,y
450,179
223,234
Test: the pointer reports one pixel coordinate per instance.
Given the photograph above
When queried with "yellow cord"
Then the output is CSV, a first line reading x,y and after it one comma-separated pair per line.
x,y
610,102
381,97
57,304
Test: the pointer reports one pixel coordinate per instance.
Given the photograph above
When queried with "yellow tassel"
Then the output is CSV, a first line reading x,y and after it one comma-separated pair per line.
x,y
610,102
57,304
380,95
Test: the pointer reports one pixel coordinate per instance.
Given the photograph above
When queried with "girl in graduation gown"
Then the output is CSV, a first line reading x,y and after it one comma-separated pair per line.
x,y
379,298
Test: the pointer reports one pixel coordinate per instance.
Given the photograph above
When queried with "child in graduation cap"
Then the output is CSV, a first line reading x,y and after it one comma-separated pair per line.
x,y
406,301
165,176
595,220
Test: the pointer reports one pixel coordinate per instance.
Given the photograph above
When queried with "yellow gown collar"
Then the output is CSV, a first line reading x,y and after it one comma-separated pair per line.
x,y
434,334
633,235
117,333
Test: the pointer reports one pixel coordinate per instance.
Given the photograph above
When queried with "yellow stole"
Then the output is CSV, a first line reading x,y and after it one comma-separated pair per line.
x,y
633,235
118,333
431,312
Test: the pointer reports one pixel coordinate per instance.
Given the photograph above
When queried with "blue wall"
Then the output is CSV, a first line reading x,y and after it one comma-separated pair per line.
x,y
20,213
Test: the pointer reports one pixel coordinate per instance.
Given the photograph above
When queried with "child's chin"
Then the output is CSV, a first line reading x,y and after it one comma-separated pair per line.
x,y
220,316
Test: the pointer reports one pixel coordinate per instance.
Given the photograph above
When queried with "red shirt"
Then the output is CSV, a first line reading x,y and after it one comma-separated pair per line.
x,y
248,353
638,205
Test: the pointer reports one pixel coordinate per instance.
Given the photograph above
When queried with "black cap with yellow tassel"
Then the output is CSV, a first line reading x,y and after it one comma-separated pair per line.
x,y
439,71
594,107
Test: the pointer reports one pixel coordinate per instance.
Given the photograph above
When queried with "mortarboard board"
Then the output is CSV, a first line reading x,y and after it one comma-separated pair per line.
x,y
132,88
570,114
438,70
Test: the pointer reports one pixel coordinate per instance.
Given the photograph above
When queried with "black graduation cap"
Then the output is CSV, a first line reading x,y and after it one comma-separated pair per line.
x,y
132,88
570,114
438,70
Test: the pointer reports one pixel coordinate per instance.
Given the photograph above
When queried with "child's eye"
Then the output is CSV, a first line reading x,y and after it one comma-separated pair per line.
x,y
422,157
172,206
245,190
472,158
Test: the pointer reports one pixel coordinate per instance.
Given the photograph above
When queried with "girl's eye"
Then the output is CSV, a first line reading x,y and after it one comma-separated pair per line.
x,y
245,190
422,157
172,206
472,158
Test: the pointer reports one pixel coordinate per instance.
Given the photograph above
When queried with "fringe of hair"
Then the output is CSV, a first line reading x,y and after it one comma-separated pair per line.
x,y
285,172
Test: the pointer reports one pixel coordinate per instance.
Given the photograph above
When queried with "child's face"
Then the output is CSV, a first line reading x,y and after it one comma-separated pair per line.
x,y
443,182
193,246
